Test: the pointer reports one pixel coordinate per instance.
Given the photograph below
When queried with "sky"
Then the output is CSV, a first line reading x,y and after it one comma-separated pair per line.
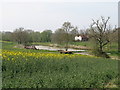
x,y
43,15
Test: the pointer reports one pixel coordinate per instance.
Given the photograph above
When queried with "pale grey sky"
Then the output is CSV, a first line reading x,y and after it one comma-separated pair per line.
x,y
51,15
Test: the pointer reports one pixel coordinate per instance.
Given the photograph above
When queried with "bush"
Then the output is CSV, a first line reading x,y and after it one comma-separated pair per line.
x,y
99,53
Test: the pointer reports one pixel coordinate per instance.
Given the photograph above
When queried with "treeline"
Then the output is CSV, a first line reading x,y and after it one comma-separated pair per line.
x,y
99,32
62,35
24,36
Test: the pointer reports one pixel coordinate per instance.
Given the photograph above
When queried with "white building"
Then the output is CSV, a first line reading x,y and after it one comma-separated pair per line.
x,y
78,38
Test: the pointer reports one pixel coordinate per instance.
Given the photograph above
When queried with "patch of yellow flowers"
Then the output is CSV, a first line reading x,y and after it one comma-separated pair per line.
x,y
13,55
6,54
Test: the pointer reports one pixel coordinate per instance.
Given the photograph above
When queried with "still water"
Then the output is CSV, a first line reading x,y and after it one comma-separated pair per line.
x,y
40,47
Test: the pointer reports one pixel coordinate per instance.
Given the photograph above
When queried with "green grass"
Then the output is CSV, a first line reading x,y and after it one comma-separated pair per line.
x,y
10,46
65,73
42,43
71,43
110,48
50,72
85,43
0,72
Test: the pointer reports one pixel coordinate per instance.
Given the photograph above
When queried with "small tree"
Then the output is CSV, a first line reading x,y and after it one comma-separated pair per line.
x,y
100,31
62,35
6,36
74,33
67,27
57,37
46,36
21,36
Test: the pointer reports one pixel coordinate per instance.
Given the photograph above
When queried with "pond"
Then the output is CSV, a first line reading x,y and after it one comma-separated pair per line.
x,y
40,47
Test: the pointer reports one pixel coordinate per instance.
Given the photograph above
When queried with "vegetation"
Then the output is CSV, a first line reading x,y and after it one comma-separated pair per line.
x,y
25,36
64,35
29,68
100,32
111,48
23,68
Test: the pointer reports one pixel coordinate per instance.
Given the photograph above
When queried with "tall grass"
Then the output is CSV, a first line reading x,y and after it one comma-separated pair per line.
x,y
55,70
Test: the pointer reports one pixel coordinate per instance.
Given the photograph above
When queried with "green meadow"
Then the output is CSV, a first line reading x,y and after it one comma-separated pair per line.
x,y
26,68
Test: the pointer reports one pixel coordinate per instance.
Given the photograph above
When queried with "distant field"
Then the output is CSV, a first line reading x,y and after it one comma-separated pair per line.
x,y
110,48
24,68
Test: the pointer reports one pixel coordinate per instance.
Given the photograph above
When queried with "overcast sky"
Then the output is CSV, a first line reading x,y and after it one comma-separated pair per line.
x,y
40,16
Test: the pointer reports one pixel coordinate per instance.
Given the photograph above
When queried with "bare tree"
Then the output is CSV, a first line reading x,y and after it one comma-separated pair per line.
x,y
100,31
74,33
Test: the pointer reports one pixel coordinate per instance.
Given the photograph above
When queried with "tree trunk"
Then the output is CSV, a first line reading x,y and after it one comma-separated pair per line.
x,y
101,49
66,47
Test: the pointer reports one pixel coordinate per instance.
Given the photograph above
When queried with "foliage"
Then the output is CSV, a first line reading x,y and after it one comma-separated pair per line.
x,y
64,35
26,36
21,36
33,69
6,36
46,36
57,36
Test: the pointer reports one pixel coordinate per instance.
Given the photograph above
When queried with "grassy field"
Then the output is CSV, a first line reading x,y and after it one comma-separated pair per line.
x,y
111,48
25,68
